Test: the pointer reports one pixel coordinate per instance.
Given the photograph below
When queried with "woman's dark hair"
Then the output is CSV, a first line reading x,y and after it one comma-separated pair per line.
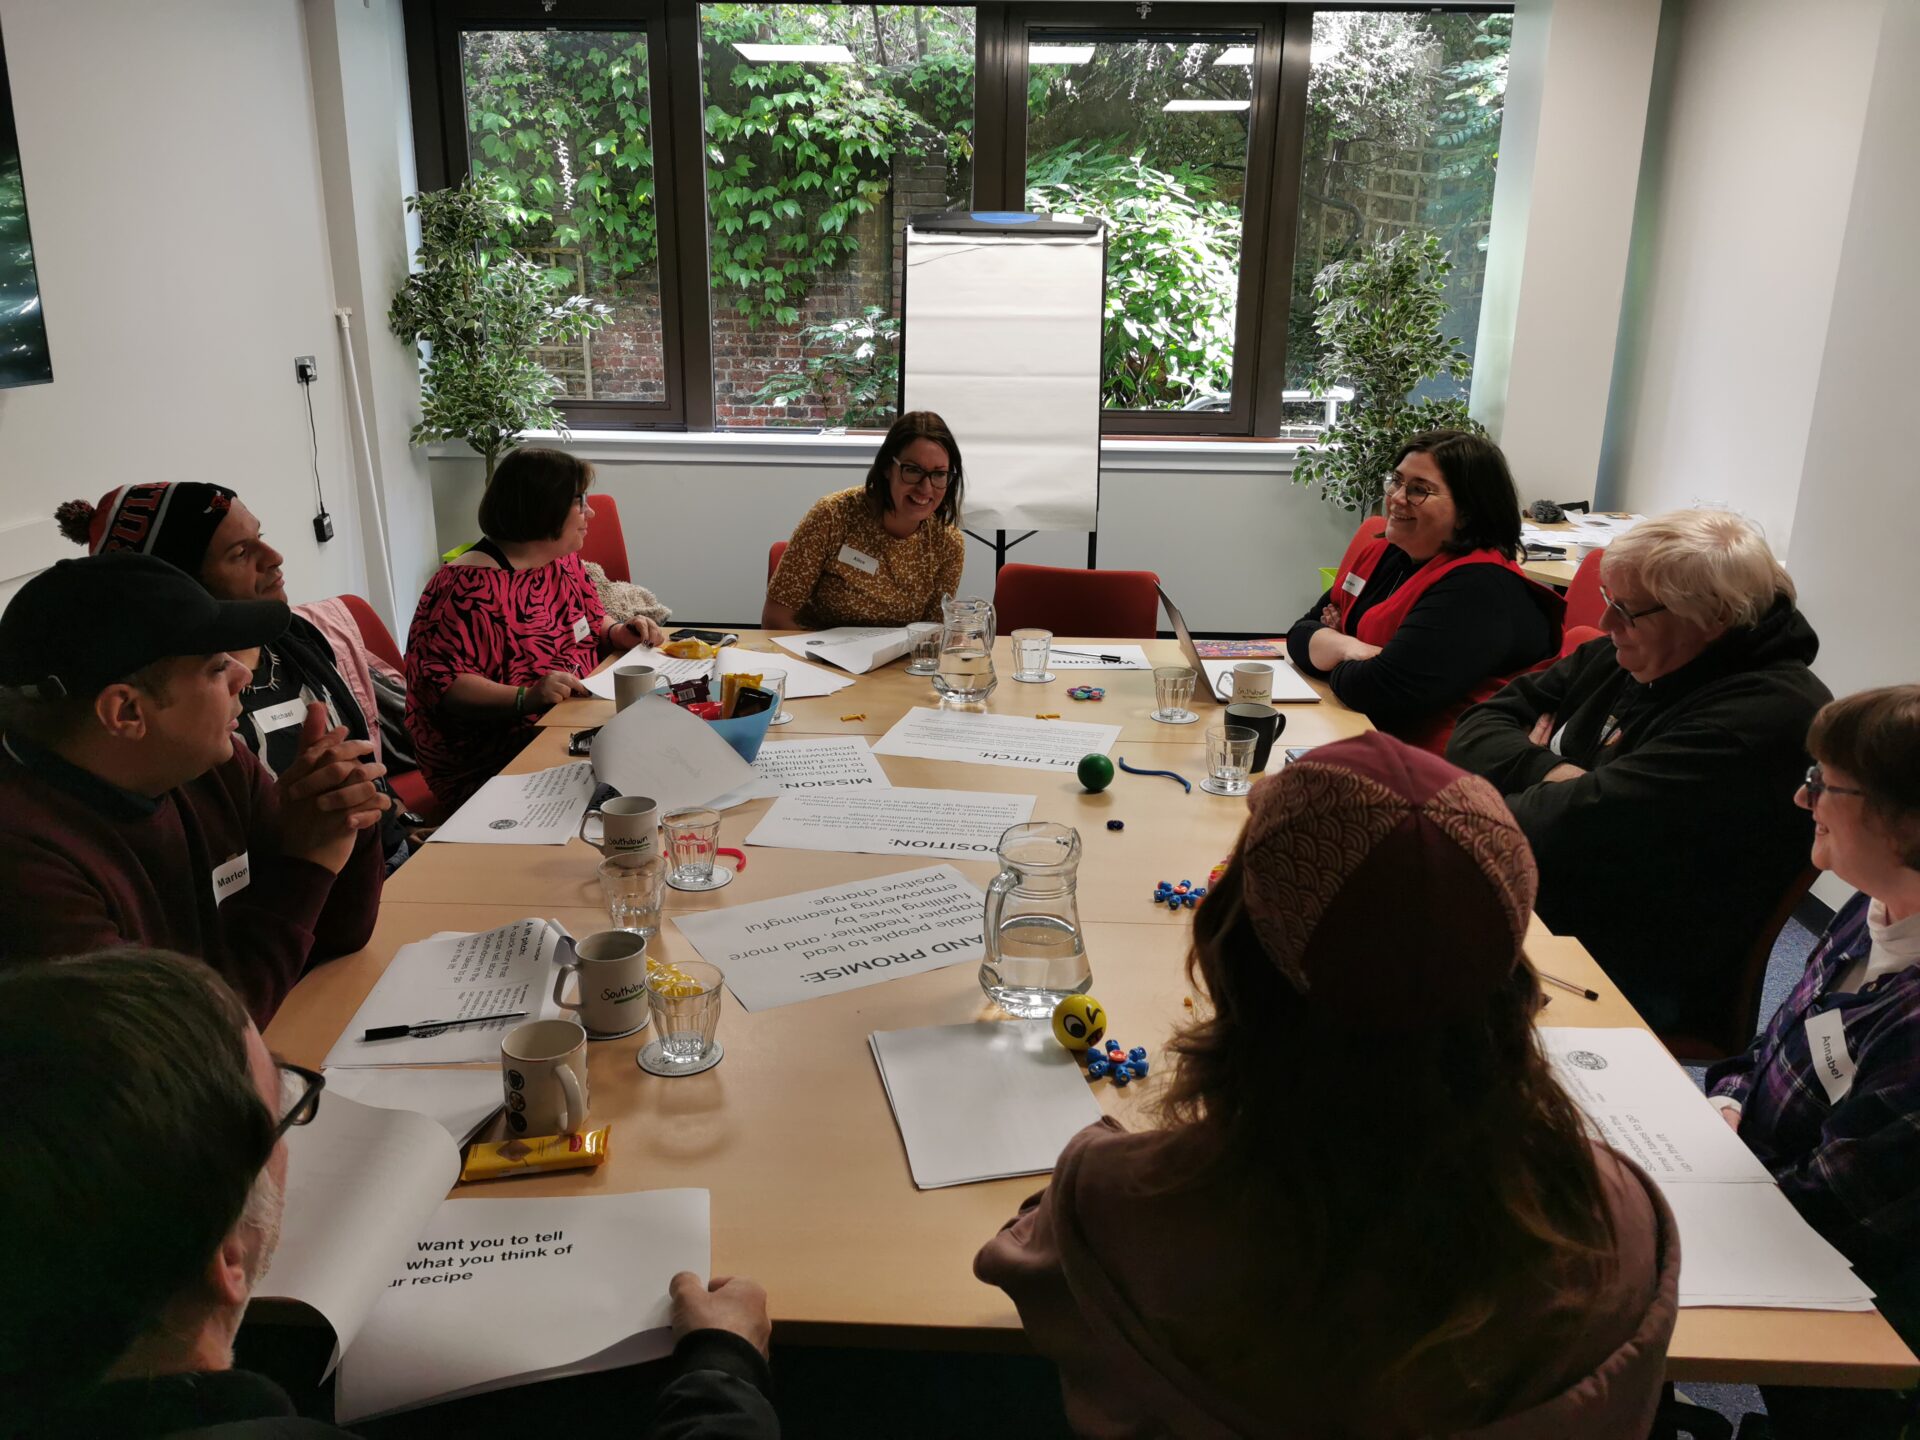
x,y
1449,1180
1875,737
1484,499
912,426
531,490
147,1134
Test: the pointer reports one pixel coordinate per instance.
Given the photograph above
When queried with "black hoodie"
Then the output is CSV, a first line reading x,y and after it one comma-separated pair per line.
x,y
1669,855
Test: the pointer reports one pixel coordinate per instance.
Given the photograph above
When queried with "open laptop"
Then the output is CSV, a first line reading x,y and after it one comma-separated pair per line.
x,y
1289,686
1203,690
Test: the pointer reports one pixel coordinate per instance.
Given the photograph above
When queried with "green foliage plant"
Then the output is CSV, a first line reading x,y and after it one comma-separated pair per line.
x,y
1378,317
856,359
484,316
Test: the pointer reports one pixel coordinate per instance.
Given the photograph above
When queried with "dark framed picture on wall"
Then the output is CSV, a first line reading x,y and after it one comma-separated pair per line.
x,y
24,357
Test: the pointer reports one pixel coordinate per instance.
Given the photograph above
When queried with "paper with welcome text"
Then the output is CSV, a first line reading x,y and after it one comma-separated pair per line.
x,y
976,739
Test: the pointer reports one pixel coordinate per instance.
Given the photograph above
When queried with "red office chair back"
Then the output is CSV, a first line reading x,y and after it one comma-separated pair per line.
x,y
1118,604
774,552
374,631
1732,1031
606,543
1584,605
1371,529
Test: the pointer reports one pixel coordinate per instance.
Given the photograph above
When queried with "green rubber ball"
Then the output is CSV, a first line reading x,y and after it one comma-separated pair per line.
x,y
1095,772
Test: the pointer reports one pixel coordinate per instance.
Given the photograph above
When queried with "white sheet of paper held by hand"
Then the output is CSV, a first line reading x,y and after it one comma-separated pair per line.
x,y
975,739
461,1101
489,973
1289,685
834,762
655,748
542,807
939,824
982,1101
508,1291
858,648
842,937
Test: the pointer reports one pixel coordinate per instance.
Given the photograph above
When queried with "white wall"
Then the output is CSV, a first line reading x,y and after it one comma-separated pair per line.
x,y
173,188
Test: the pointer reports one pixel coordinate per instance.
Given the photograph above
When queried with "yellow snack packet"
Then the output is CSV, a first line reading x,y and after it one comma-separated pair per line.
x,y
536,1155
689,650
730,688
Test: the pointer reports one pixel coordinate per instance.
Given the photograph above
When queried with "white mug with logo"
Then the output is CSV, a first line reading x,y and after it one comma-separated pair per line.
x,y
631,682
628,825
611,966
1252,683
543,1066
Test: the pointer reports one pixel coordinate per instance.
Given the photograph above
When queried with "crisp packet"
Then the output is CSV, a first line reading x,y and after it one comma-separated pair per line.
x,y
536,1155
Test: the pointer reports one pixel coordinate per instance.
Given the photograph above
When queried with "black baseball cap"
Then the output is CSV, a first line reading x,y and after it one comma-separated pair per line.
x,y
79,627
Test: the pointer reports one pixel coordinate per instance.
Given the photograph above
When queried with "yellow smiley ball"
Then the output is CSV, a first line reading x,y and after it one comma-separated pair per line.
x,y
1079,1022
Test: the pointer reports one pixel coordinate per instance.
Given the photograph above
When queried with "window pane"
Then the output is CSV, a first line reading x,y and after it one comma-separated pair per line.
x,y
562,120
1403,127
1149,133
827,127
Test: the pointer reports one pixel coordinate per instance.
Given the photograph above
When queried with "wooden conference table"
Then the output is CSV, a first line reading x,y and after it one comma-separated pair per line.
x,y
792,1133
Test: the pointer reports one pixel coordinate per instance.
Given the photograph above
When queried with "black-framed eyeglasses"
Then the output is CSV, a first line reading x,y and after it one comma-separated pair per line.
x,y
1816,783
299,1096
1416,492
580,502
1625,616
914,474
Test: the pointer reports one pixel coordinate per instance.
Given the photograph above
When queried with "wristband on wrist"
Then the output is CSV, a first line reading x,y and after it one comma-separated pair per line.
x,y
519,699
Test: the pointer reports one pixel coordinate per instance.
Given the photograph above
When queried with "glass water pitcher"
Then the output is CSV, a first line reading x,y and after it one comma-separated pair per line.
x,y
1036,955
966,649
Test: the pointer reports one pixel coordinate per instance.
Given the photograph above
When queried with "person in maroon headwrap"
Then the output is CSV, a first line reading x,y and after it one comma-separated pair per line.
x,y
1369,1210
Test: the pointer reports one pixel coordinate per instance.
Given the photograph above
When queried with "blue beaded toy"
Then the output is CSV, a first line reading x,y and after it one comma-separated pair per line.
x,y
1174,896
1118,1064
1086,692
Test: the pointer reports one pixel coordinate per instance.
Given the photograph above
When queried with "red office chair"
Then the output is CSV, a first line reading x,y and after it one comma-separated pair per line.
x,y
1119,604
409,786
1733,1030
774,552
1571,640
1584,605
606,543
1371,529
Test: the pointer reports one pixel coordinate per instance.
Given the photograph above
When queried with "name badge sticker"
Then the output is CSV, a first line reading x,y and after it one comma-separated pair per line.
x,y
866,564
279,717
581,629
230,878
1827,1041
1353,584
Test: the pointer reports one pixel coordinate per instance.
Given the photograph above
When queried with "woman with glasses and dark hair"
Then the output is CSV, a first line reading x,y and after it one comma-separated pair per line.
x,y
883,553
1435,615
1257,1262
506,628
1828,1093
1650,767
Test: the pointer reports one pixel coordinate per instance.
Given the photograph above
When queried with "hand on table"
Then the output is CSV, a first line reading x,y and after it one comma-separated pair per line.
x,y
553,687
328,795
727,1302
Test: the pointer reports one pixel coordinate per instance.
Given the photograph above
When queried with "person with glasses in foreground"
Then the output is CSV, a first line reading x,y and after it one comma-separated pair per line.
x,y
506,628
143,1204
1435,615
1650,768
883,553
1828,1094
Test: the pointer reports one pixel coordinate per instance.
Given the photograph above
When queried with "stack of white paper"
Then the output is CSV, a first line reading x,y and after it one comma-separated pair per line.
x,y
1741,1241
982,1101
803,681
1289,685
541,808
858,648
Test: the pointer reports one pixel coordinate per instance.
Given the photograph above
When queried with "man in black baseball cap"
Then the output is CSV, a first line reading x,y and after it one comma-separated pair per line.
x,y
128,814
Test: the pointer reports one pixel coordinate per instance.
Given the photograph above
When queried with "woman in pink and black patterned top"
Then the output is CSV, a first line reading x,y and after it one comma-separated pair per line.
x,y
506,629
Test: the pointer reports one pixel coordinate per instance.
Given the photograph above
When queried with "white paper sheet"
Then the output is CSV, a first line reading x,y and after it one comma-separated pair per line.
x,y
937,824
460,1101
1746,1245
837,762
492,972
858,648
653,747
803,681
975,739
1289,685
1641,1103
497,1292
1087,657
842,937
982,1101
540,808
361,1181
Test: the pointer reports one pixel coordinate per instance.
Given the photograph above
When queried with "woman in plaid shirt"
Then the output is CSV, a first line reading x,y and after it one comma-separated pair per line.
x,y
1828,1096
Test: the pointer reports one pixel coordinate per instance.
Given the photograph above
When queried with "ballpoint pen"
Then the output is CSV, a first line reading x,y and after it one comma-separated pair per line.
x,y
395,1032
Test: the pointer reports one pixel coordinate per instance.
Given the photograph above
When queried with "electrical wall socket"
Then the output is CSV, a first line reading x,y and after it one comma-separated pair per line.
x,y
305,369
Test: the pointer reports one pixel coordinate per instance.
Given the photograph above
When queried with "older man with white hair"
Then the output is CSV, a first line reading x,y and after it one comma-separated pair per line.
x,y
1653,770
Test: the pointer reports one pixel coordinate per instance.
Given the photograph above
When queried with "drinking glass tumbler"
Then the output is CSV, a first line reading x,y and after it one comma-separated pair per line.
x,y
925,635
1229,760
1030,650
693,839
1172,689
684,998
776,681
634,887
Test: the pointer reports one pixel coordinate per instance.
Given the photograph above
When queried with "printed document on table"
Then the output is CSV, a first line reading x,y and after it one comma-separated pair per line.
x,y
541,808
858,648
489,973
1289,685
836,762
939,824
1641,1103
804,681
1745,1245
1089,657
975,739
461,1101
655,748
982,1101
843,937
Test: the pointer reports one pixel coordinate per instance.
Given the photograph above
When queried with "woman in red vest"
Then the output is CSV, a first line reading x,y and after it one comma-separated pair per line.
x,y
1435,616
